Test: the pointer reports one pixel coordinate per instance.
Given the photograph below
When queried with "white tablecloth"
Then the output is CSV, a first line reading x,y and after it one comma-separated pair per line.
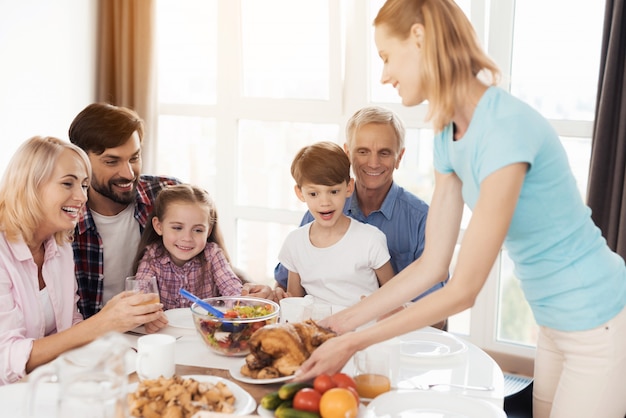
x,y
471,367
464,365
191,351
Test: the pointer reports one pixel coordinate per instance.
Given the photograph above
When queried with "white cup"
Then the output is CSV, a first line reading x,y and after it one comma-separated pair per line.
x,y
295,309
392,348
372,373
156,356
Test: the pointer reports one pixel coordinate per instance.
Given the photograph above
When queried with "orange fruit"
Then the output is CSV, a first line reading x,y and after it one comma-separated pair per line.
x,y
338,403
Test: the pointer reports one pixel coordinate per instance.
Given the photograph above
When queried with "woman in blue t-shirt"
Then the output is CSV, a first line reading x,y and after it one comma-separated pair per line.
x,y
504,160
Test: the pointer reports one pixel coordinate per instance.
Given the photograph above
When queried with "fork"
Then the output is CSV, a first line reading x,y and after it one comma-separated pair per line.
x,y
421,386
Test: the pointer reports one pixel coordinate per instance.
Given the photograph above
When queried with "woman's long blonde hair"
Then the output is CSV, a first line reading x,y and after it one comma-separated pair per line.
x,y
32,165
453,57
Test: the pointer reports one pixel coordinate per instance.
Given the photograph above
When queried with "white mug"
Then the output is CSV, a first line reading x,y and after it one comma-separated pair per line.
x,y
156,356
295,309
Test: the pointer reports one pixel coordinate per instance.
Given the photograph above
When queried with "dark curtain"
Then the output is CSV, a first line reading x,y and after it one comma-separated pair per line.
x,y
606,195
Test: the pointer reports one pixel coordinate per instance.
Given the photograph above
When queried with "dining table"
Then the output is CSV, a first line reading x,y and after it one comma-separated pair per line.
x,y
427,359
426,365
193,357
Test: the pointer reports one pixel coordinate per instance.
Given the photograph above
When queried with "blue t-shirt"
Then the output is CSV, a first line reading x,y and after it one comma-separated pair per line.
x,y
401,217
570,277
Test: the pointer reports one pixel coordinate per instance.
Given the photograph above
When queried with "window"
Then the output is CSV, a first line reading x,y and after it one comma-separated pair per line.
x,y
187,44
280,66
264,155
244,84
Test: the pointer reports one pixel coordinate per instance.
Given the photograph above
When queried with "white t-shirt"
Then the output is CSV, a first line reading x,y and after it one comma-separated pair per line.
x,y
120,238
342,273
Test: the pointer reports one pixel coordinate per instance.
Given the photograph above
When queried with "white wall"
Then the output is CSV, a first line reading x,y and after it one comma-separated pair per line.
x,y
47,68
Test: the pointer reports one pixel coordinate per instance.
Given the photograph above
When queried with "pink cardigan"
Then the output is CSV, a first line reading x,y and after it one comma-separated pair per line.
x,y
21,314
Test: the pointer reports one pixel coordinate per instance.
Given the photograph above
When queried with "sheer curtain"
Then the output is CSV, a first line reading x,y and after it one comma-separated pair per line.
x,y
126,61
607,173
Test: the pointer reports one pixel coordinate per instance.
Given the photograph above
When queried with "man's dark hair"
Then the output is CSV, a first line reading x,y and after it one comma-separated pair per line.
x,y
101,125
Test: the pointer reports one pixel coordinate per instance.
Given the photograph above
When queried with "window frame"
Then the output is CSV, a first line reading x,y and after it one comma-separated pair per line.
x,y
349,90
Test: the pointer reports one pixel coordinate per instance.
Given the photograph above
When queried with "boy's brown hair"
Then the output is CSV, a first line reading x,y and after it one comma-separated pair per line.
x,y
324,163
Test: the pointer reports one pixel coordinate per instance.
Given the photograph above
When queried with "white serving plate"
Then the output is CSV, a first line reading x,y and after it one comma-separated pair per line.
x,y
244,402
428,404
235,372
180,318
419,345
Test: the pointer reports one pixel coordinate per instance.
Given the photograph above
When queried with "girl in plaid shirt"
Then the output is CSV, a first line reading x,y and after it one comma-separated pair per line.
x,y
183,247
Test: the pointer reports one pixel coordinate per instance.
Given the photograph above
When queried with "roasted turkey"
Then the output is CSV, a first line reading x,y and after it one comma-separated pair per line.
x,y
279,349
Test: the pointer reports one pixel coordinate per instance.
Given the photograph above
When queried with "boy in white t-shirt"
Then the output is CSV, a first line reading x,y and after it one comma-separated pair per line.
x,y
334,258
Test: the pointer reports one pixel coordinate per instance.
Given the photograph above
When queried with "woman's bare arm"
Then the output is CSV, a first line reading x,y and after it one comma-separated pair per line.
x,y
122,313
482,242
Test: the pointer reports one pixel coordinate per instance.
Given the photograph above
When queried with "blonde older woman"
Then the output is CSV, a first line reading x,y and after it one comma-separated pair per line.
x,y
43,188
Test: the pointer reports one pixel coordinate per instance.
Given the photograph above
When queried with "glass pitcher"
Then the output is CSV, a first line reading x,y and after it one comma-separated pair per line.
x,y
92,380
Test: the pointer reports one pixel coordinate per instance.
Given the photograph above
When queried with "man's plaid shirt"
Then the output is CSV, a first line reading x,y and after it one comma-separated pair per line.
x,y
88,251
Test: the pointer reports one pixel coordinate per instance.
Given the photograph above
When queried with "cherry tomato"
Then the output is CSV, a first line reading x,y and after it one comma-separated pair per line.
x,y
256,325
231,314
307,399
342,380
323,382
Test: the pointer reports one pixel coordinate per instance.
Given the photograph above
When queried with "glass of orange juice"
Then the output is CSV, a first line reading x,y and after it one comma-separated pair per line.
x,y
147,284
372,373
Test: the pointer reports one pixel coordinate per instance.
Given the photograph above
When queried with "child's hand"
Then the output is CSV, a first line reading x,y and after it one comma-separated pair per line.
x,y
258,291
280,293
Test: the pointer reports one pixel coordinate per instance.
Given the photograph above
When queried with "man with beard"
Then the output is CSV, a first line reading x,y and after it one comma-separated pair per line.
x,y
119,203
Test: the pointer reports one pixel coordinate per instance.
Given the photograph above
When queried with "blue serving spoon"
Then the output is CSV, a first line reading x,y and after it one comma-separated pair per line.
x,y
200,302
226,326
